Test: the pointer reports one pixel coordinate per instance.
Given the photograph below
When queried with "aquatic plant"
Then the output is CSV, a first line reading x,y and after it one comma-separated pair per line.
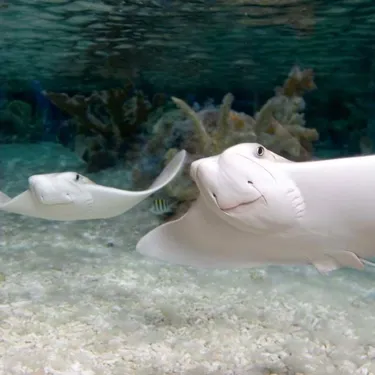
x,y
107,121
279,125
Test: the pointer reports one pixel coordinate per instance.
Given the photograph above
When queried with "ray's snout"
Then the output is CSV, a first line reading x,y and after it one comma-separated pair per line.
x,y
225,180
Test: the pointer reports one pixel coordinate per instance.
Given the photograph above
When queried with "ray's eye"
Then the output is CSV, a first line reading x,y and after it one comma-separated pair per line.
x,y
77,177
214,195
250,182
260,151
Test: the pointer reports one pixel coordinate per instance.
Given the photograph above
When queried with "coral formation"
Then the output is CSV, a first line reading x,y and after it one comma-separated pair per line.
x,y
19,123
106,121
279,125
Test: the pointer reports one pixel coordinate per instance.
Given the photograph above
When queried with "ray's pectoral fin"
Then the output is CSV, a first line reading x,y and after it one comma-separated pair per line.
x,y
197,239
339,259
368,262
4,198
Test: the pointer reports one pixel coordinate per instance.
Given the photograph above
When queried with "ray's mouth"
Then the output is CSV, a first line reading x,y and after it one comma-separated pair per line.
x,y
244,204
229,209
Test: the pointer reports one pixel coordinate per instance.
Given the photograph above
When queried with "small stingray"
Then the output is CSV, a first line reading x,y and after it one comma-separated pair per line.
x,y
70,196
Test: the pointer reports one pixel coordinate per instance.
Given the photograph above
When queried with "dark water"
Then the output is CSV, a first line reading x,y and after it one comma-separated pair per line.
x,y
185,45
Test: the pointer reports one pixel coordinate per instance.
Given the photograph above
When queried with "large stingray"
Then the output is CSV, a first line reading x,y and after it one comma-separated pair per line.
x,y
70,196
253,211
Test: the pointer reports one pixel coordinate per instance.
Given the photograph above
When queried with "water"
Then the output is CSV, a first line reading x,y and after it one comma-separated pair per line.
x,y
87,87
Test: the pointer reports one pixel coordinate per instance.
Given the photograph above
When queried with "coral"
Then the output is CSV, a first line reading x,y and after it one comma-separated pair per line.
x,y
298,82
279,125
18,123
108,120
153,153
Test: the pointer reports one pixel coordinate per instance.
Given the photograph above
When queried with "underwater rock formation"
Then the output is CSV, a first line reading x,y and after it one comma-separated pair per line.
x,y
279,125
106,121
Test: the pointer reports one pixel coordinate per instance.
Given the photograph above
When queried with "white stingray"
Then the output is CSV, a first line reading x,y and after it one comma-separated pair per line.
x,y
70,196
253,211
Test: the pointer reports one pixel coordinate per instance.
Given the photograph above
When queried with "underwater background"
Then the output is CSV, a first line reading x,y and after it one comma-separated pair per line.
x,y
112,90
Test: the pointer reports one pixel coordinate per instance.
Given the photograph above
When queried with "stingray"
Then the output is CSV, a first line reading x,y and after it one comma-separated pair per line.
x,y
255,211
69,196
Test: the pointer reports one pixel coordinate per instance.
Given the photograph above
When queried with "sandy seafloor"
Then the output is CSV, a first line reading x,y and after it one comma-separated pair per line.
x,y
77,299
